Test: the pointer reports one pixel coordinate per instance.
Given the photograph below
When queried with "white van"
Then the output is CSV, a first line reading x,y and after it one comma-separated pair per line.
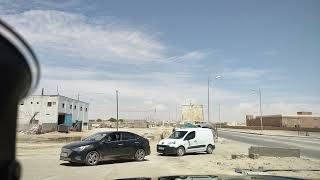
x,y
188,140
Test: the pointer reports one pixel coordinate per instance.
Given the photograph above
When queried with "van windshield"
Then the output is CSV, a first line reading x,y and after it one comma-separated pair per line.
x,y
177,135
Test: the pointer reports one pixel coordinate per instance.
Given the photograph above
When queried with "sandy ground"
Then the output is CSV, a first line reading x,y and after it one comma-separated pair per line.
x,y
40,160
278,132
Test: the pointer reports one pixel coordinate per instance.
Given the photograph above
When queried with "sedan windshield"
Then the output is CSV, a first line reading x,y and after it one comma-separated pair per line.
x,y
95,137
177,134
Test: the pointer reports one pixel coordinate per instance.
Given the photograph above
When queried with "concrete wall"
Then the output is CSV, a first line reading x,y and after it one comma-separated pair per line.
x,y
274,152
302,121
48,127
272,121
273,128
45,127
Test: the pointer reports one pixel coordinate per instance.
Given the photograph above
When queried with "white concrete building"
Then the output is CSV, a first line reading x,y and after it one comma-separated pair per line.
x,y
50,111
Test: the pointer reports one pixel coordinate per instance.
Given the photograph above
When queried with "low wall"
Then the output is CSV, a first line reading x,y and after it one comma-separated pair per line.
x,y
45,127
48,127
92,125
274,152
273,128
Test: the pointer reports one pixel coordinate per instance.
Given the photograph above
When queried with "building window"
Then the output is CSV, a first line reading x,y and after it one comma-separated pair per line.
x,y
75,107
49,104
53,103
86,109
85,124
80,108
31,102
37,102
70,106
62,105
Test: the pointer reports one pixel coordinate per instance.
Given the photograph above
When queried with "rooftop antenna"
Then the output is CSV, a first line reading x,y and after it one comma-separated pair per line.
x,y
57,89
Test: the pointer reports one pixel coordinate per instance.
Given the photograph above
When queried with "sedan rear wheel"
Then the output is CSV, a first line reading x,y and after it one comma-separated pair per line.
x,y
92,158
139,155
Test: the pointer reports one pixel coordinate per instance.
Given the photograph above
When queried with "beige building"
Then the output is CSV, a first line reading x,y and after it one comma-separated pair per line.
x,y
301,119
192,113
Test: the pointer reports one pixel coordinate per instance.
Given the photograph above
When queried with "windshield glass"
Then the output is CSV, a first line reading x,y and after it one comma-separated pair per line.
x,y
248,70
177,135
95,137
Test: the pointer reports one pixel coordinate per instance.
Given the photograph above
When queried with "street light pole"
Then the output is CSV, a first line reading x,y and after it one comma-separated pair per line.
x,y
260,104
217,77
219,117
117,110
261,125
208,99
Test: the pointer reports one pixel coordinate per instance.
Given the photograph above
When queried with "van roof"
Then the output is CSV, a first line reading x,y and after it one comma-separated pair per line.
x,y
193,129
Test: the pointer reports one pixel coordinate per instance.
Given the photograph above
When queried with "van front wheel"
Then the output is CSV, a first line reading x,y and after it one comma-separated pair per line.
x,y
209,149
180,151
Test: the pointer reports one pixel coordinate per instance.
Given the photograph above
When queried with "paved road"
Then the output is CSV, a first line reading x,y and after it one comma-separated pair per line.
x,y
309,147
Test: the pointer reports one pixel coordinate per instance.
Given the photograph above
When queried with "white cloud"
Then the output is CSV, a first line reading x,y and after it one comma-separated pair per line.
x,y
193,55
74,35
244,73
62,73
77,39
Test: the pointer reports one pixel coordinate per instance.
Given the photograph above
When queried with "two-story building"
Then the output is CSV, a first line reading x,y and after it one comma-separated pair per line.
x,y
50,111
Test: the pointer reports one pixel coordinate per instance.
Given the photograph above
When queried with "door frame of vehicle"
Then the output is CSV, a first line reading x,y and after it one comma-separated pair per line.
x,y
193,145
114,146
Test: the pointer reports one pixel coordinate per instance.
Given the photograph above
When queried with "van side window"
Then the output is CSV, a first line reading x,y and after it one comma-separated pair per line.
x,y
191,135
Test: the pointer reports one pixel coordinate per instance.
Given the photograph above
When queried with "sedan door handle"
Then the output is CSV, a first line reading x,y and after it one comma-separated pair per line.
x,y
136,142
120,144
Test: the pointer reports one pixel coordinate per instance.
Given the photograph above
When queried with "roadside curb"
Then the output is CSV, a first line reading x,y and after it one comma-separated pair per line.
x,y
317,138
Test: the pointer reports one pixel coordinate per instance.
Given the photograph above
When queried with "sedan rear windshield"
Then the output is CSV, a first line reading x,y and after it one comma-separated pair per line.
x,y
177,134
95,137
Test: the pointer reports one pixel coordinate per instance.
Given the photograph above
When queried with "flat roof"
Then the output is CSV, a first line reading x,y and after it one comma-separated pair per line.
x,y
56,95
289,115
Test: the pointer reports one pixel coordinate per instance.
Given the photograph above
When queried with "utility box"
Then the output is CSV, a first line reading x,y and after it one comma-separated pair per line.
x,y
63,128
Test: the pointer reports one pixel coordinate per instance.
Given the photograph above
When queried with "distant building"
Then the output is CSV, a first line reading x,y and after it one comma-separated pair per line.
x,y
301,119
192,113
50,111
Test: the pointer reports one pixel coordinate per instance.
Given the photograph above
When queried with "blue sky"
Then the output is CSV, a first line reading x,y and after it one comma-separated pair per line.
x,y
159,54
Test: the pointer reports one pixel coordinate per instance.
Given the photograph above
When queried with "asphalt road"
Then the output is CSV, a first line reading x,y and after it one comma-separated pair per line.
x,y
309,147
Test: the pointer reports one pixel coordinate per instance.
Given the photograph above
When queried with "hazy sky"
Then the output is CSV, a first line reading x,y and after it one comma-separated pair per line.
x,y
159,54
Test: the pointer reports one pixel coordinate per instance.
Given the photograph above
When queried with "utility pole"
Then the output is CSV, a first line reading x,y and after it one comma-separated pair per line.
x,y
176,113
117,110
217,77
219,117
57,90
261,125
78,108
260,104
208,99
